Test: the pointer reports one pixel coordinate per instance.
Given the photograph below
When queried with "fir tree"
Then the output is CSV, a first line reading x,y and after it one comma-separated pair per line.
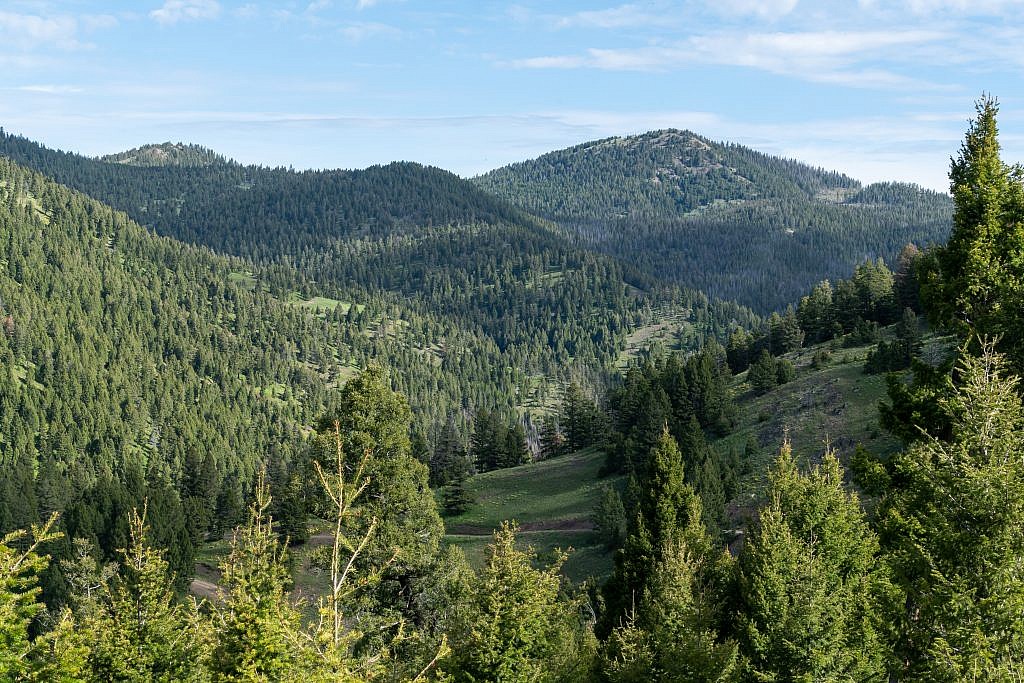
x,y
811,582
953,525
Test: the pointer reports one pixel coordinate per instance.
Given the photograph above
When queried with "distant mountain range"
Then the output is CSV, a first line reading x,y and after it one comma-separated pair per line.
x,y
719,217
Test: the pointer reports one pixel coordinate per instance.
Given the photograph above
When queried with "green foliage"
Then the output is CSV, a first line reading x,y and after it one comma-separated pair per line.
x,y
671,635
256,625
667,509
811,582
496,445
763,374
138,631
374,421
978,286
19,594
952,525
720,218
519,627
610,518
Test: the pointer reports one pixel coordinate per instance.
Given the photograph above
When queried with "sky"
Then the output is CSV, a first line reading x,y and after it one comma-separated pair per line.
x,y
878,90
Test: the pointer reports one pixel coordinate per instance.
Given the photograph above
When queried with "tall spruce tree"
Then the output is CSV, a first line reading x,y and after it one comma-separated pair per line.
x,y
519,627
811,582
953,526
666,510
140,632
979,287
256,624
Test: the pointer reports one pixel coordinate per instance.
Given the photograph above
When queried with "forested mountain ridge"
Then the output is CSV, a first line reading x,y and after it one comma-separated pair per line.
x,y
167,154
269,213
719,217
421,243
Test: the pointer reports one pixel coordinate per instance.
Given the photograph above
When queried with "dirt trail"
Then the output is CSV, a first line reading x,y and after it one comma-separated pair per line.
x,y
525,527
204,589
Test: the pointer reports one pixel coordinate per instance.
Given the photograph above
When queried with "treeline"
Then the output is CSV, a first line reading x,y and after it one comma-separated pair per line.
x,y
853,310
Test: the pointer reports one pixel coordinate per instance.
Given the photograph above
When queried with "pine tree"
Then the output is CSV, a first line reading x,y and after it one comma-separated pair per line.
x,y
979,287
19,594
763,374
140,632
256,625
953,525
552,442
811,581
519,627
666,509
610,518
671,635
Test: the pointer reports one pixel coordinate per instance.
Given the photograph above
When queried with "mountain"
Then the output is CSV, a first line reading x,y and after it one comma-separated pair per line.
x,y
718,217
167,154
499,306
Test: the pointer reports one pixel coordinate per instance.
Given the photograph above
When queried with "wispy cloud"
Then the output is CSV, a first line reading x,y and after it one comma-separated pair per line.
x,y
362,30
28,31
174,11
47,89
825,56
965,7
763,9
623,16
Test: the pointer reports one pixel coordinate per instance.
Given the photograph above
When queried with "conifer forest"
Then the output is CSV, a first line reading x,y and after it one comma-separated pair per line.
x,y
649,408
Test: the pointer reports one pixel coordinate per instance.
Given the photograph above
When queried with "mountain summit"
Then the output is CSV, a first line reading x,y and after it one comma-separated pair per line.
x,y
720,217
167,154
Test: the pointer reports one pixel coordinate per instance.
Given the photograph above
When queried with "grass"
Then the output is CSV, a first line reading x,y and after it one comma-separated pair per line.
x,y
836,404
243,280
323,303
551,500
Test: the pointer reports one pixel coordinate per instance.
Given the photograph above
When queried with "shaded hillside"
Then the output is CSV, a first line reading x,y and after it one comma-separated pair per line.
x,y
721,218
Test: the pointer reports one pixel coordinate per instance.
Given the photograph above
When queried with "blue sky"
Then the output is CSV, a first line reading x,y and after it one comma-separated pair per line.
x,y
880,90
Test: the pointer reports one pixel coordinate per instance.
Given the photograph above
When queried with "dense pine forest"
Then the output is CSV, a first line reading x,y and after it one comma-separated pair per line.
x,y
308,370
721,218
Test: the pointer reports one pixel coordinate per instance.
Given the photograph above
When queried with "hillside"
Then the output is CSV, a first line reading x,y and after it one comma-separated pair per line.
x,y
553,500
166,154
418,242
718,217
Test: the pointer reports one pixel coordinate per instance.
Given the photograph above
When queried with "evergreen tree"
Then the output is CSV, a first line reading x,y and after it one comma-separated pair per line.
x,y
374,419
667,508
139,631
519,627
979,287
953,525
19,594
763,374
256,625
811,581
552,442
671,635
610,518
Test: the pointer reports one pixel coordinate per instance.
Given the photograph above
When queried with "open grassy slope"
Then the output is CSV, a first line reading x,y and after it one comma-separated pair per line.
x,y
551,500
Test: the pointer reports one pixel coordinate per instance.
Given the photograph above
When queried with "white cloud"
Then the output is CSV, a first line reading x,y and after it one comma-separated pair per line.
x,y
363,30
966,7
823,56
174,11
764,9
623,16
364,4
50,89
28,31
